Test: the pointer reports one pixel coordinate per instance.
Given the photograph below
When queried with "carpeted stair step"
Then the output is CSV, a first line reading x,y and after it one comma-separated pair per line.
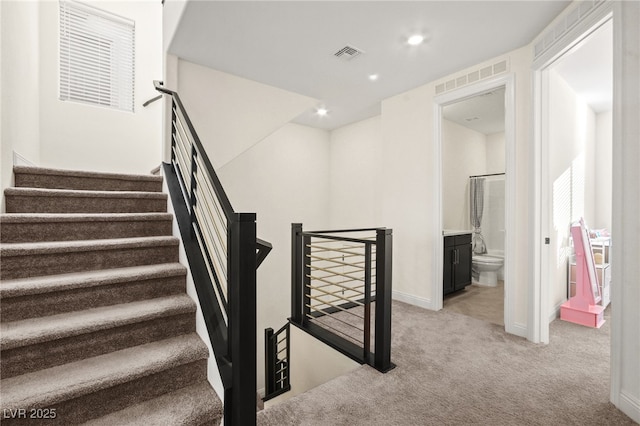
x,y
32,297
36,200
28,227
94,387
193,405
39,177
39,343
23,260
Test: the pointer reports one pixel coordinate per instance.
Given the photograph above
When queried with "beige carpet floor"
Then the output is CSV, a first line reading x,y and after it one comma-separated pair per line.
x,y
481,302
456,370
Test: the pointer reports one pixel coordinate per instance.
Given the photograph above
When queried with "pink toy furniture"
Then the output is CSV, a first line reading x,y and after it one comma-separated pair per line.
x,y
583,308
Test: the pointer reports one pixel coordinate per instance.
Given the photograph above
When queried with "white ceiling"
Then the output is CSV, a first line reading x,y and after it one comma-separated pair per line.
x,y
291,45
588,69
483,113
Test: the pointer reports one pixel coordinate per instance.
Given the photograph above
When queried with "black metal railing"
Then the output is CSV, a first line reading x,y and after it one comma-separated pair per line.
x,y
223,254
277,362
341,290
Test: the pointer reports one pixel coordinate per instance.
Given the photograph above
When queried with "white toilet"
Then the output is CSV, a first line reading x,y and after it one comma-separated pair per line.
x,y
485,267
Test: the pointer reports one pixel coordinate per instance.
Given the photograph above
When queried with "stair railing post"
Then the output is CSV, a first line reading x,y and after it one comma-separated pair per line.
x,y
242,318
296,273
287,381
269,362
367,303
382,357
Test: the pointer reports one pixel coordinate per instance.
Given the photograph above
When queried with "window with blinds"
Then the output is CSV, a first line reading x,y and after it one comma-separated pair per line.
x,y
97,56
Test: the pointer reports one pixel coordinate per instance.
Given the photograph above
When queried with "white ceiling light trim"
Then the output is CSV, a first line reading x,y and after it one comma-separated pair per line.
x,y
415,40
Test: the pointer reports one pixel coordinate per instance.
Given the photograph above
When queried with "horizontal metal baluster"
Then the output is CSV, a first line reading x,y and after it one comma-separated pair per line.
x,y
332,305
332,273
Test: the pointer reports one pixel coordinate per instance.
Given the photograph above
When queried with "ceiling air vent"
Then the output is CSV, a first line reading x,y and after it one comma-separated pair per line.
x,y
348,53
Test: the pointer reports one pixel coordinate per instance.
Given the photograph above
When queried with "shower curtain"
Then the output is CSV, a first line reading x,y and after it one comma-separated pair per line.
x,y
477,206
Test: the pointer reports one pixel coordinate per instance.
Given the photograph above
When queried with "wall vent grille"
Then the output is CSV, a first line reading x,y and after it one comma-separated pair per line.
x,y
565,24
348,52
473,76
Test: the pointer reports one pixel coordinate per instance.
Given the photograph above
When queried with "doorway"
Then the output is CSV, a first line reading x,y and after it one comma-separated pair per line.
x,y
497,85
473,164
573,116
577,157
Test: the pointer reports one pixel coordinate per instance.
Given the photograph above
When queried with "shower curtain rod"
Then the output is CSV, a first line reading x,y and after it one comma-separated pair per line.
x,y
493,174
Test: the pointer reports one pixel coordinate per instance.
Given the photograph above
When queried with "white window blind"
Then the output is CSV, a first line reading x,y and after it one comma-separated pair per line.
x,y
97,56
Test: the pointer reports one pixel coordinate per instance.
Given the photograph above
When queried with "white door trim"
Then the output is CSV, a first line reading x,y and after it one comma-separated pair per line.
x,y
539,302
629,404
508,81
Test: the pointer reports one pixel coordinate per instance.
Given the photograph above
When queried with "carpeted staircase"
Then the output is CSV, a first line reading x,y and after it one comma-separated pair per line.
x,y
95,323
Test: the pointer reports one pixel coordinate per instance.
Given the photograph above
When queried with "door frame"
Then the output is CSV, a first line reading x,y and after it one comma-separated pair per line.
x,y
540,309
508,82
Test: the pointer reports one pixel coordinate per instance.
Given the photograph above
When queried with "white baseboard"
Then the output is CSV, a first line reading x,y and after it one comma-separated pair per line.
x,y
518,329
19,160
421,302
555,312
630,406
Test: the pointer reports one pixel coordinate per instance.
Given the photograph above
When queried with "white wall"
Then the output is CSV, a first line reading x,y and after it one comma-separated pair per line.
x,y
409,151
80,136
495,153
284,180
354,173
602,170
464,154
571,136
625,292
171,15
20,85
231,114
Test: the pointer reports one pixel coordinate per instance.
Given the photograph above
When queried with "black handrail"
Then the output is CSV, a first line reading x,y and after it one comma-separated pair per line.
x,y
309,303
264,248
277,366
152,100
230,320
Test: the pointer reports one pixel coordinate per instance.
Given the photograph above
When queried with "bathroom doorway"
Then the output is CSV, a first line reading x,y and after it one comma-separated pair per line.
x,y
473,181
475,134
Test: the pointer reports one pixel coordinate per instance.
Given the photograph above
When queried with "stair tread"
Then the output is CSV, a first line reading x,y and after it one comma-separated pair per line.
x,y
87,174
81,217
31,248
41,329
81,193
47,387
50,283
187,406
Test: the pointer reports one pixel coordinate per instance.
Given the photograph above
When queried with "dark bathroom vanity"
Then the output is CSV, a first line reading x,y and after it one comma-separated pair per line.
x,y
457,261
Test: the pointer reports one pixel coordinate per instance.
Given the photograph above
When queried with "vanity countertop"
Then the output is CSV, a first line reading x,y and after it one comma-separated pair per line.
x,y
451,232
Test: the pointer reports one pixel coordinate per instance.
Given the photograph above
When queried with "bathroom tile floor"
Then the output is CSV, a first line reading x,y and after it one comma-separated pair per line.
x,y
480,302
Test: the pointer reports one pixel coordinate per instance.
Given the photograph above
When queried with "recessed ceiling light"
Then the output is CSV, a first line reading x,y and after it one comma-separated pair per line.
x,y
415,39
373,77
322,111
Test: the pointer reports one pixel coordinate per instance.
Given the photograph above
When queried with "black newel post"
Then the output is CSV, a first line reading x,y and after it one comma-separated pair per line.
x,y
269,356
296,273
242,319
382,358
